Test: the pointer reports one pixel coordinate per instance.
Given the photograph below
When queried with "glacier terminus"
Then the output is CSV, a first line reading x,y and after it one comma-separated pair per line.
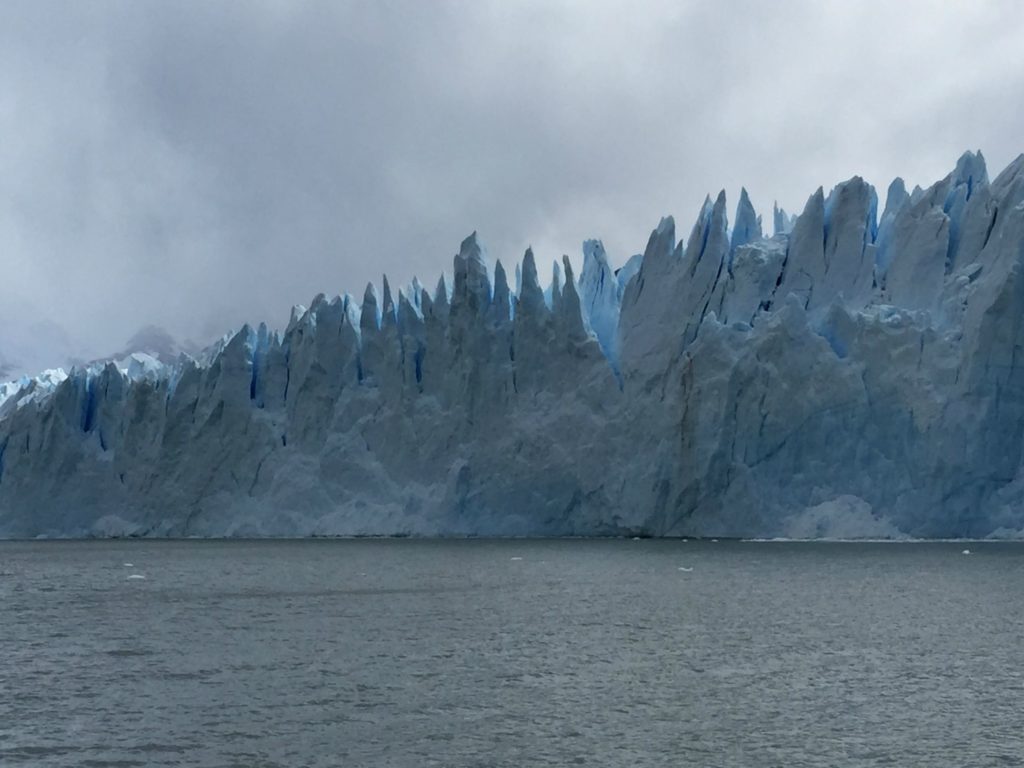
x,y
857,373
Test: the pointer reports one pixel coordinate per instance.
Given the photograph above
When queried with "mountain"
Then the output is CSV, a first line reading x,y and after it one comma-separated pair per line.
x,y
150,346
855,374
154,341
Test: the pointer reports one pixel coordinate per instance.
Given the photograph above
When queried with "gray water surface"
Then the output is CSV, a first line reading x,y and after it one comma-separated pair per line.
x,y
510,653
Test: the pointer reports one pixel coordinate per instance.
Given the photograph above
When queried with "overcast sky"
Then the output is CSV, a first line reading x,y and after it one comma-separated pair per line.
x,y
202,164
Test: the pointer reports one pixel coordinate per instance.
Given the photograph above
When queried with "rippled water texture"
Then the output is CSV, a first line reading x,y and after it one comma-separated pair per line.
x,y
513,653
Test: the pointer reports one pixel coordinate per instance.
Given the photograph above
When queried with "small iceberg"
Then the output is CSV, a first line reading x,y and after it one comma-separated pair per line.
x,y
685,570
136,576
966,552
515,558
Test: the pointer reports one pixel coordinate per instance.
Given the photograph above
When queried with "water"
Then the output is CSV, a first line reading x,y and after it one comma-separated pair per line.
x,y
595,653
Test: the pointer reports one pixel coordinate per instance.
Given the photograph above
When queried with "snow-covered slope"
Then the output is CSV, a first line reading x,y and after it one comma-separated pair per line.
x,y
155,342
45,345
857,373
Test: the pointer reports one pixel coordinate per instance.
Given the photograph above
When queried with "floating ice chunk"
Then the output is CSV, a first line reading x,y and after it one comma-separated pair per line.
x,y
685,570
515,558
136,576
966,552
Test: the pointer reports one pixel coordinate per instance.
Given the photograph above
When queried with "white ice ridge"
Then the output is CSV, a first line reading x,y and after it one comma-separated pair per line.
x,y
858,373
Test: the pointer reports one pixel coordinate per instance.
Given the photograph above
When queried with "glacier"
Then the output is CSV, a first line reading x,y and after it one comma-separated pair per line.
x,y
858,372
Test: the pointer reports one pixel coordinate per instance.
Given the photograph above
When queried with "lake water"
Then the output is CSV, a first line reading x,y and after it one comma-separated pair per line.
x,y
510,653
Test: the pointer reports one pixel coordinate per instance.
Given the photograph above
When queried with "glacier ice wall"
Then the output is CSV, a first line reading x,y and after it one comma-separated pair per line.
x,y
857,373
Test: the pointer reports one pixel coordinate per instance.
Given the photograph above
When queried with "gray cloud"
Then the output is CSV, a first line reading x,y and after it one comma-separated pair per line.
x,y
198,165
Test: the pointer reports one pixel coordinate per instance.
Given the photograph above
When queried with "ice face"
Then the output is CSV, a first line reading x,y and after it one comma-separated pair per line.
x,y
856,374
601,296
748,223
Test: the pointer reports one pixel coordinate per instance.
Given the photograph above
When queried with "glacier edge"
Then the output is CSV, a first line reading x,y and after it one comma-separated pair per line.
x,y
854,374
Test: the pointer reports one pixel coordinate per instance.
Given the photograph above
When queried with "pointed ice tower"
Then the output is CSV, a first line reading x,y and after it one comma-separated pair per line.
x,y
601,297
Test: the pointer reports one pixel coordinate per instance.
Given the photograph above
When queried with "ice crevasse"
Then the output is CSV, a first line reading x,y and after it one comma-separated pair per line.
x,y
857,373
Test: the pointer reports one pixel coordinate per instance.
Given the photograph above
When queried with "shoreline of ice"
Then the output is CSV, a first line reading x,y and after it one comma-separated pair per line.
x,y
855,375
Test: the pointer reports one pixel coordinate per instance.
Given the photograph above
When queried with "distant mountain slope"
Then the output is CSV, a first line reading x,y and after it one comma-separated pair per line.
x,y
155,342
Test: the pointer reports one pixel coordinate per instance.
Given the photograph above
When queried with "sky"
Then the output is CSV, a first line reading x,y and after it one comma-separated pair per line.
x,y
199,165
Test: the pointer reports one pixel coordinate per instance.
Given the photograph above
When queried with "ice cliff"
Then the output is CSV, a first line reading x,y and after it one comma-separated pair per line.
x,y
859,372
